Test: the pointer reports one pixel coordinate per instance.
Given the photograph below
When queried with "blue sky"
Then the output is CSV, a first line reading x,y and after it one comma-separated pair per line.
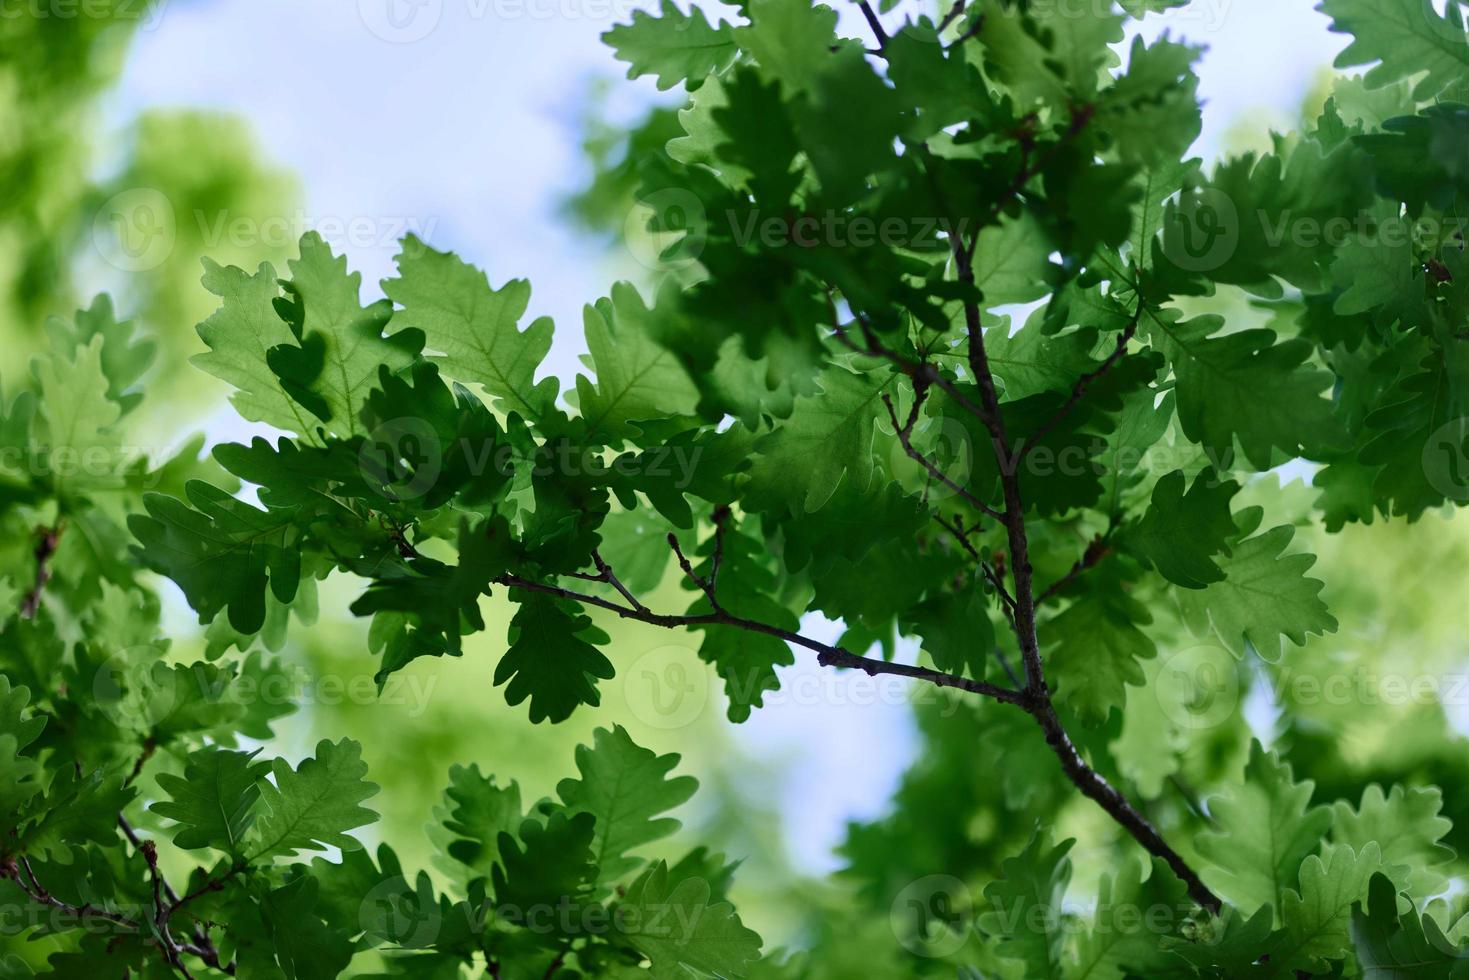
x,y
460,119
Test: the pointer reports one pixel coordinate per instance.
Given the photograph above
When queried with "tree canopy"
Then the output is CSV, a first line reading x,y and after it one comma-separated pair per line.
x,y
949,341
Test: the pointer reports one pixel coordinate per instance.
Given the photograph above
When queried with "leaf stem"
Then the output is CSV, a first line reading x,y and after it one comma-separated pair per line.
x,y
875,24
904,431
1095,552
1036,696
50,539
827,654
606,574
1083,384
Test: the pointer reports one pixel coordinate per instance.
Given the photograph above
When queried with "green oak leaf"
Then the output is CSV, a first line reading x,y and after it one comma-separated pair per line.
x,y
1181,532
1141,8
1408,826
339,345
213,802
221,552
1406,38
674,46
1263,828
681,931
75,809
791,40
1024,907
1227,945
1011,261
15,721
1245,387
1051,56
76,418
479,811
1029,361
1265,596
305,947
637,378
1318,916
1401,946
745,661
125,359
472,329
1097,648
439,603
553,658
624,787
239,334
957,632
1121,943
828,437
20,782
314,805
550,863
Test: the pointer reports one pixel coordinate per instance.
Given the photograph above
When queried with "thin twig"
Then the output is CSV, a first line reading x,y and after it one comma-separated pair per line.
x,y
904,432
1036,696
827,654
1005,665
720,517
688,569
1078,392
19,870
397,535
956,528
972,30
138,844
161,909
1014,520
917,371
993,577
150,745
875,24
999,586
214,884
1094,787
951,16
202,946
1096,550
606,574
50,538
209,955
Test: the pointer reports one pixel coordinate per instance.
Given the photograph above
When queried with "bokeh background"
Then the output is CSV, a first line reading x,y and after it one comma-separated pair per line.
x,y
140,136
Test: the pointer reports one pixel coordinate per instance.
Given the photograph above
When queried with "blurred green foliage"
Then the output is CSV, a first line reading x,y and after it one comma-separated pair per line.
x,y
955,813
130,213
